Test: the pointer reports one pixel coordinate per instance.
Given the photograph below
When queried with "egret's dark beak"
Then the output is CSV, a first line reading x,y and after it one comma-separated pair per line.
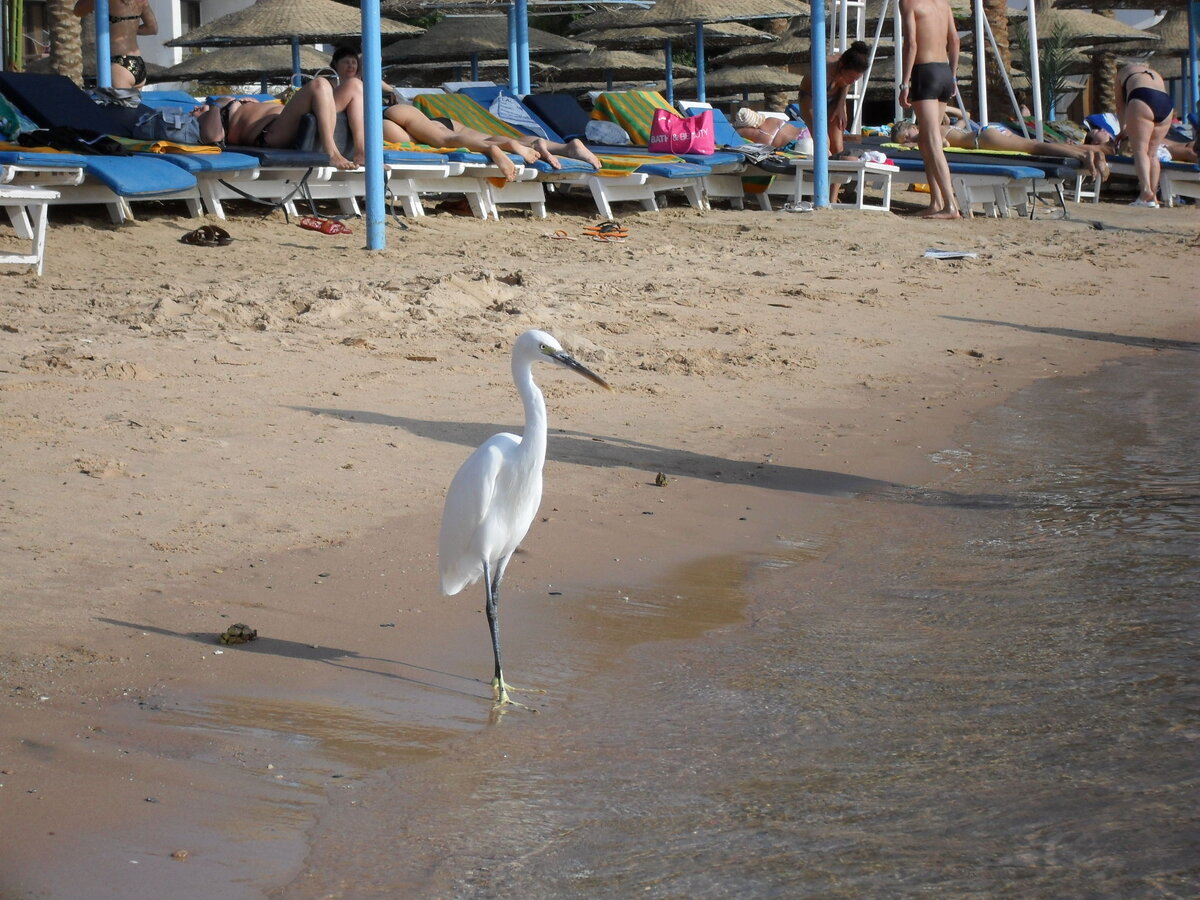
x,y
572,363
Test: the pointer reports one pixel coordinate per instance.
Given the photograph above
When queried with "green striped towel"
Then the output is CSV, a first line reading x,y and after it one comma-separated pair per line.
x,y
462,108
632,110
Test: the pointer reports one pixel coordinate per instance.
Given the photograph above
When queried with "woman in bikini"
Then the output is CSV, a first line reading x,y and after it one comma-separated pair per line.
x,y
842,72
251,123
963,135
126,20
1144,110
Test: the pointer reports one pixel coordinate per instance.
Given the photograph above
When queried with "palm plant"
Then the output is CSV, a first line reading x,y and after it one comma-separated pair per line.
x,y
1058,57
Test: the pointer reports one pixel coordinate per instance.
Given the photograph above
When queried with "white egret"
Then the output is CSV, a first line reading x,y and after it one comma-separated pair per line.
x,y
494,496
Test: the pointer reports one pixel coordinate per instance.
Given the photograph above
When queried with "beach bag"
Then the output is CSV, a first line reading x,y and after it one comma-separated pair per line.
x,y
670,133
171,123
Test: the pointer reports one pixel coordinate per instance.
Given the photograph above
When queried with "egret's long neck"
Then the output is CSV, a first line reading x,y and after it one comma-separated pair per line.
x,y
533,441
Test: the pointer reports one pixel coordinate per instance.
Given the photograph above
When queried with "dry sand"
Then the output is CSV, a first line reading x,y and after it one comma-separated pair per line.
x,y
263,433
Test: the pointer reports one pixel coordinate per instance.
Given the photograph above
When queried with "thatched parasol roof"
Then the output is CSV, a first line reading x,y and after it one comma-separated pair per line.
x,y
238,65
282,21
746,79
458,38
694,12
614,64
1084,28
719,34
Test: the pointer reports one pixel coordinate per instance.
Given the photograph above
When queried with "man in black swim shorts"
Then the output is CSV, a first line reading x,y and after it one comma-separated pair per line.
x,y
931,81
930,60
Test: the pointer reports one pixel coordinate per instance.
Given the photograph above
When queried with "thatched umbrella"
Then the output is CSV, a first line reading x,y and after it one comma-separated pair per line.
x,y
431,74
287,22
293,22
746,80
696,14
1087,29
463,39
610,66
242,65
719,34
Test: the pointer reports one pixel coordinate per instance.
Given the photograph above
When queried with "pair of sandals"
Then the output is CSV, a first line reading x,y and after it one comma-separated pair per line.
x,y
325,226
207,236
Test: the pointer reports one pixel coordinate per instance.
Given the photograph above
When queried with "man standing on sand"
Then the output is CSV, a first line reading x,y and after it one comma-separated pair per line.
x,y
930,61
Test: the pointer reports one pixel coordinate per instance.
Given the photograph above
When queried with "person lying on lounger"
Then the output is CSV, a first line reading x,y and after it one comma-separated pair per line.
x,y
770,130
252,123
1177,151
997,137
403,123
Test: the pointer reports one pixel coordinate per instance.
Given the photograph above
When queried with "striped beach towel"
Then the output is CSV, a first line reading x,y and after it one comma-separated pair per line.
x,y
462,108
632,110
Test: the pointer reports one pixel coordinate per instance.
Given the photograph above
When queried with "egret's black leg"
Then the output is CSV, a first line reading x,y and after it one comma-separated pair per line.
x,y
492,584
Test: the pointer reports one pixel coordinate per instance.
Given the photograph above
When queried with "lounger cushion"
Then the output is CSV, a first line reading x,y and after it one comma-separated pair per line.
x,y
55,100
562,111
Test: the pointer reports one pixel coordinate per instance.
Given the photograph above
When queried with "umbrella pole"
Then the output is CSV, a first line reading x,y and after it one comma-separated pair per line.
x,y
474,66
1035,76
295,62
981,97
701,93
669,57
1194,80
521,9
376,175
819,126
513,62
103,46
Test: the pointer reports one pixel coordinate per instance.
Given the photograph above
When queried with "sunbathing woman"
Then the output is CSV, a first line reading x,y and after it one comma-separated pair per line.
x,y
770,130
1144,109
403,123
251,123
997,137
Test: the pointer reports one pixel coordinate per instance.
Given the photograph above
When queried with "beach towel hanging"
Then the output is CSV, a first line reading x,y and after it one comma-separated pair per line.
x,y
670,133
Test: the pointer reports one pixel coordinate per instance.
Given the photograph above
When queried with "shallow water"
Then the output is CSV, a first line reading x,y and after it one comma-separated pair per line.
x,y
984,690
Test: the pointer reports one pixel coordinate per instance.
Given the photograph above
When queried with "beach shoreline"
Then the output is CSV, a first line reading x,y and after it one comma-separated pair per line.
x,y
194,435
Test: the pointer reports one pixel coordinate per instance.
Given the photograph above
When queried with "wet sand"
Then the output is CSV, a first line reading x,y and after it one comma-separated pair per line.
x,y
205,439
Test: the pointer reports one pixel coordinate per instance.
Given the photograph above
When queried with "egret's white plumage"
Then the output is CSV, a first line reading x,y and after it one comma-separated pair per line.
x,y
495,495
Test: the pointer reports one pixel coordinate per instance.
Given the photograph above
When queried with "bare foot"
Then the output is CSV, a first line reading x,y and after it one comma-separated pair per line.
x,y
578,150
340,162
543,152
503,163
950,213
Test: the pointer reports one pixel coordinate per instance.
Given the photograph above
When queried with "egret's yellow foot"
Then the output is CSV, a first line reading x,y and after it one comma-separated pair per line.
x,y
500,689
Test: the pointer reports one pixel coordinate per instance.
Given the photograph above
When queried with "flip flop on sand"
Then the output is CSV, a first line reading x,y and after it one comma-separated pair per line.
x,y
325,226
607,239
559,235
607,229
207,236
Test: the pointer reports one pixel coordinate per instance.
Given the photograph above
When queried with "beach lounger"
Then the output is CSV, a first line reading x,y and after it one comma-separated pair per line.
x,y
795,183
1176,179
628,175
26,209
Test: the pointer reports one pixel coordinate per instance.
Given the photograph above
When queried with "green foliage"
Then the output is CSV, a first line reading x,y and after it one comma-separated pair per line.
x,y
1057,57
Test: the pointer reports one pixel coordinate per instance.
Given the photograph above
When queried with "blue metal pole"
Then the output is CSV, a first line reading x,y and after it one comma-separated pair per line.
x,y
474,66
701,93
521,10
103,46
819,126
1194,80
296,82
668,55
514,81
372,72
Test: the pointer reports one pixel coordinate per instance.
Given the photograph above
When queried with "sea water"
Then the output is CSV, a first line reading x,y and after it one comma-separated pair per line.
x,y
983,689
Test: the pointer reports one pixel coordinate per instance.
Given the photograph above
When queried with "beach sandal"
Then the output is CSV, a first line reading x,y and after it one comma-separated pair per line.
x,y
608,239
559,235
325,226
1148,204
222,237
607,229
204,236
